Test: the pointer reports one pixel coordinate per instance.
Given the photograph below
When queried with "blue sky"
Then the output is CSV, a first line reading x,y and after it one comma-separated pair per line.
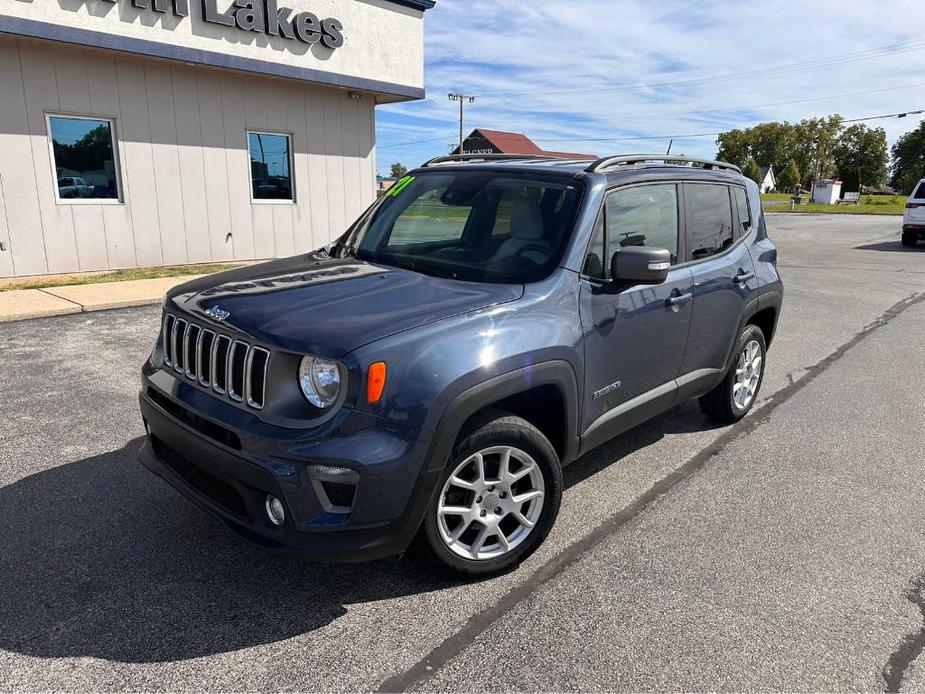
x,y
608,76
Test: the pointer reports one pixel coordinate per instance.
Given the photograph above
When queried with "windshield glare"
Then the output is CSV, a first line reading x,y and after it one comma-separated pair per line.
x,y
477,226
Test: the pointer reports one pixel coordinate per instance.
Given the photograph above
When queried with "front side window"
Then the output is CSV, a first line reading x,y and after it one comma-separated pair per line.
x,y
477,226
642,216
271,166
85,160
638,216
709,220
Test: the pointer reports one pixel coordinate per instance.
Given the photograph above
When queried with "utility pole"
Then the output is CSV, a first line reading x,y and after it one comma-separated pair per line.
x,y
462,99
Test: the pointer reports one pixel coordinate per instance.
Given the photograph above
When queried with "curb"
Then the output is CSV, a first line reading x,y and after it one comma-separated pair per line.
x,y
28,304
15,317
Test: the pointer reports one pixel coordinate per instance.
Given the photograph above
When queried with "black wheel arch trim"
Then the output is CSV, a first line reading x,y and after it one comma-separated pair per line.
x,y
766,300
556,373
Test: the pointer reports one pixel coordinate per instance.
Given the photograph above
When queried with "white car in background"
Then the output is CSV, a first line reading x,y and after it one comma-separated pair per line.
x,y
914,217
74,187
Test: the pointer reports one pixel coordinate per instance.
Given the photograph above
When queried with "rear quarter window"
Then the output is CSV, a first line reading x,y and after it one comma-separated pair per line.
x,y
920,193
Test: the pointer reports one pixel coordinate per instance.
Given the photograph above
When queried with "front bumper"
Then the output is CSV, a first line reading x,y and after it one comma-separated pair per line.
x,y
218,469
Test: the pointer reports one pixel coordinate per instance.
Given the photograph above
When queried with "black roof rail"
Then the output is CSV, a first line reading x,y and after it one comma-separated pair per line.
x,y
608,163
463,158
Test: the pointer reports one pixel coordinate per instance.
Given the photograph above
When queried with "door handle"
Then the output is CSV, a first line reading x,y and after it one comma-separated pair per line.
x,y
678,300
744,277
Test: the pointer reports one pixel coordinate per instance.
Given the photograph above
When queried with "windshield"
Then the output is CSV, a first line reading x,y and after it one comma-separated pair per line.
x,y
477,226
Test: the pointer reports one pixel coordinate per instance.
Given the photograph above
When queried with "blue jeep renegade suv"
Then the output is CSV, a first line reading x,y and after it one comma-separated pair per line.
x,y
486,322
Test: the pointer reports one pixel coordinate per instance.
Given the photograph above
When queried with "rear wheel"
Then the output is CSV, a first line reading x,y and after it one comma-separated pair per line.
x,y
910,239
498,498
736,395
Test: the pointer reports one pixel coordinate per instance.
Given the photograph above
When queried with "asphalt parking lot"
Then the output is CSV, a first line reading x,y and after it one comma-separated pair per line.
x,y
783,553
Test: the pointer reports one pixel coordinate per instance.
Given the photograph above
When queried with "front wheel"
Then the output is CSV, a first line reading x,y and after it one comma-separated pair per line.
x,y
736,395
498,498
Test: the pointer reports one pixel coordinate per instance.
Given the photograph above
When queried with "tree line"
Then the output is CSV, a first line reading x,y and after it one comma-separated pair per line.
x,y
824,148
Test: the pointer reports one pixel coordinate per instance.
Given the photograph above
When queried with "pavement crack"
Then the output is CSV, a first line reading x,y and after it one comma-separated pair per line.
x,y
912,645
428,666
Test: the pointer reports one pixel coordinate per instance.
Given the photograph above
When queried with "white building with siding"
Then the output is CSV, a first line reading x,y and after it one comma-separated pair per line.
x,y
161,132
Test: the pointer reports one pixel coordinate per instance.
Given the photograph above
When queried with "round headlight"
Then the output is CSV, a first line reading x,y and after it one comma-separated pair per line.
x,y
320,381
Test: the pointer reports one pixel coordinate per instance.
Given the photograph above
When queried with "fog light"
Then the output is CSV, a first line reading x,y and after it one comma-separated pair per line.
x,y
275,511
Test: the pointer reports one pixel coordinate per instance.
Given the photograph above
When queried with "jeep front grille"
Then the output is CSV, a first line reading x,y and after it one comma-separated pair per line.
x,y
229,367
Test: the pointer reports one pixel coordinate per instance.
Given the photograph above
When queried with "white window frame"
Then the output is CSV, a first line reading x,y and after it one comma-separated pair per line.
x,y
116,158
250,170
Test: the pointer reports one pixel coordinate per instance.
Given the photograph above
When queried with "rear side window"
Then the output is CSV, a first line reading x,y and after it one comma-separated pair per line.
x,y
709,219
920,193
740,200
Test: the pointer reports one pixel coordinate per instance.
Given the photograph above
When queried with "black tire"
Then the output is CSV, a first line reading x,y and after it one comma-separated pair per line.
x,y
719,404
910,239
494,430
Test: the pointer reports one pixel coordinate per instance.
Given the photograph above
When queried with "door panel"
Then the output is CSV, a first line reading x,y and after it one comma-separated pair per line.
x,y
634,340
723,284
634,336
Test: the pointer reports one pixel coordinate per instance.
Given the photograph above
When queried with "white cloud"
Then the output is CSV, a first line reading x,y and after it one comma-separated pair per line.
x,y
501,47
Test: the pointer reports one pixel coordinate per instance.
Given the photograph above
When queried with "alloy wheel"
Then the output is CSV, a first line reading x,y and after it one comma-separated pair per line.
x,y
491,503
748,375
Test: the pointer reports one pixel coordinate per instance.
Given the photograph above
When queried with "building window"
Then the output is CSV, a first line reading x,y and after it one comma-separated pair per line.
x,y
271,166
84,152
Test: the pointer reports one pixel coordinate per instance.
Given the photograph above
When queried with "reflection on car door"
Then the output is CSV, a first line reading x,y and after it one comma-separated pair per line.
x,y
723,275
634,336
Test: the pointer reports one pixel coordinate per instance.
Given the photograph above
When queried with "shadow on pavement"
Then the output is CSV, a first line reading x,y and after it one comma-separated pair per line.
x,y
890,247
101,559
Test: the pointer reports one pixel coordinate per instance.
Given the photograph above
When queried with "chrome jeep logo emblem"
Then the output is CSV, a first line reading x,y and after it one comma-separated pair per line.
x,y
217,314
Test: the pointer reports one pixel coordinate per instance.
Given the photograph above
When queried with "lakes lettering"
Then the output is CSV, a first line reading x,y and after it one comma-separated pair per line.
x,y
261,16
265,17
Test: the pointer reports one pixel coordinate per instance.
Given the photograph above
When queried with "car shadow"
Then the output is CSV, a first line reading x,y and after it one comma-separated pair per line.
x,y
682,419
889,247
101,559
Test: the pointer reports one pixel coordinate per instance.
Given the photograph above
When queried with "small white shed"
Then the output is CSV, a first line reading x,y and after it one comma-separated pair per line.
x,y
827,191
768,182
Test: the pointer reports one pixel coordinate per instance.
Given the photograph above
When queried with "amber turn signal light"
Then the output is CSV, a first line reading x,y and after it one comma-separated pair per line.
x,y
375,382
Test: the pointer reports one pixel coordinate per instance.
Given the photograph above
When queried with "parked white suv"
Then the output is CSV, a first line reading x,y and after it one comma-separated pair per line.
x,y
914,218
74,187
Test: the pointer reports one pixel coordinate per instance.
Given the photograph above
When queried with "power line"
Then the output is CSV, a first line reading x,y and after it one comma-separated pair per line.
x,y
413,142
756,106
889,115
792,67
901,114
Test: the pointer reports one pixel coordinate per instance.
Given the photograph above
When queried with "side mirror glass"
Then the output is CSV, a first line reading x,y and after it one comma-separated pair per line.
x,y
640,265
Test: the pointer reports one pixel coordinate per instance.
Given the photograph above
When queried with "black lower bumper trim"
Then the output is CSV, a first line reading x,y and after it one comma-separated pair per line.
x,y
217,491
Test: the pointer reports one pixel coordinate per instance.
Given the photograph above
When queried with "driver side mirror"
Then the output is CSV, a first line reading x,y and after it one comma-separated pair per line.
x,y
640,265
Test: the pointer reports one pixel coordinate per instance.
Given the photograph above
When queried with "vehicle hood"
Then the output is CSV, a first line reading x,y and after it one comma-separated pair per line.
x,y
319,305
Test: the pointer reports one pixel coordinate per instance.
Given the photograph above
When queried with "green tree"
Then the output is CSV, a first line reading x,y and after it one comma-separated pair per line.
x,y
815,146
735,147
398,170
788,177
909,160
810,143
861,156
773,144
753,171
87,153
